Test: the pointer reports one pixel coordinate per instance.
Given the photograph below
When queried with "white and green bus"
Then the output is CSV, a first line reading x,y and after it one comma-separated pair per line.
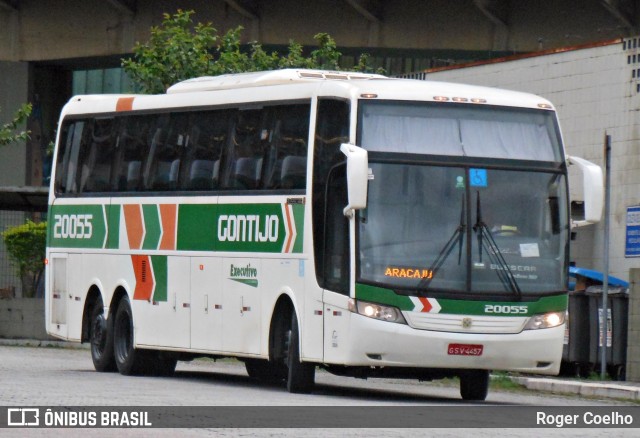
x,y
374,227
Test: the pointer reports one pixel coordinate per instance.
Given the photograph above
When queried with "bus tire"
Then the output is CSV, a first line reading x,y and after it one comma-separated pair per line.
x,y
301,375
101,339
129,360
474,385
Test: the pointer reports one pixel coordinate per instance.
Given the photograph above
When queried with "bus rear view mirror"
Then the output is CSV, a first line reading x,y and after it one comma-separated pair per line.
x,y
357,177
593,191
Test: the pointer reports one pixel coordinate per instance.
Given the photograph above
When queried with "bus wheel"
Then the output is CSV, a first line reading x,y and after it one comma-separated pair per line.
x,y
301,375
101,338
129,360
474,384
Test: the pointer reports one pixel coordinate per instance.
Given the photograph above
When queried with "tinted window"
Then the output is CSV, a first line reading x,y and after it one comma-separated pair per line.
x,y
232,149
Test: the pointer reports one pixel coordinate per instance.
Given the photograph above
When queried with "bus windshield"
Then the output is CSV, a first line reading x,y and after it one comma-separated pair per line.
x,y
462,226
464,230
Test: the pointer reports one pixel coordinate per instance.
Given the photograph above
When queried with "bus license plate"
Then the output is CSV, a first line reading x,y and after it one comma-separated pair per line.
x,y
465,349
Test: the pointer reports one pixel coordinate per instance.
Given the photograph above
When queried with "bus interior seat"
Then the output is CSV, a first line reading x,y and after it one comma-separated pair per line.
x,y
294,172
174,173
247,172
133,175
99,179
204,174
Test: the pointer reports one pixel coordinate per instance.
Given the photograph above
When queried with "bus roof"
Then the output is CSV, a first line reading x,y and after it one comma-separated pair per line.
x,y
256,79
303,84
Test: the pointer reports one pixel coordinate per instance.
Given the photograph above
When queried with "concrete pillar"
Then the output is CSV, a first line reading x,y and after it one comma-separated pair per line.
x,y
14,83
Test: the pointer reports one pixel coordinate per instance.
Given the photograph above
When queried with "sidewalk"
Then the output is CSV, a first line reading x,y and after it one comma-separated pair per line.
x,y
586,388
590,388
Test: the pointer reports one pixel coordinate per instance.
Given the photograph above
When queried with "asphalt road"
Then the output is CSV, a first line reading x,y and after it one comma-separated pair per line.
x,y
65,377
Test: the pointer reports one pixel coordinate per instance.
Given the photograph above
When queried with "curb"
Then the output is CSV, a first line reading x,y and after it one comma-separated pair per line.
x,y
582,388
43,343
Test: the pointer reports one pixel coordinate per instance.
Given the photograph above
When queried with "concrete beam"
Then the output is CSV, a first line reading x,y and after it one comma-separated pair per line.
x,y
370,10
8,5
625,11
496,12
491,10
243,8
247,9
125,7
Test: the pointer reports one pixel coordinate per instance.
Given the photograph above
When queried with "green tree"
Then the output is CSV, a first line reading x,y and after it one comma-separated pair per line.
x,y
26,247
8,132
178,49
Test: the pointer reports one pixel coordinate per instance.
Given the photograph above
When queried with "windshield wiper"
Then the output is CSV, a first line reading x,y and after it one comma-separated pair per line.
x,y
486,241
458,236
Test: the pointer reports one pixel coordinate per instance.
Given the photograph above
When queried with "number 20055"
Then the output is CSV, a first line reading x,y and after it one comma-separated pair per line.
x,y
72,226
496,308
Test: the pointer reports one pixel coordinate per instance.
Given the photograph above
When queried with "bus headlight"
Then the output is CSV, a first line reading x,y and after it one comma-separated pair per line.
x,y
545,320
377,311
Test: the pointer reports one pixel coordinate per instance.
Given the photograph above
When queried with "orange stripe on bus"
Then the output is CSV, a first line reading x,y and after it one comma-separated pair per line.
x,y
134,224
168,218
125,104
144,277
287,247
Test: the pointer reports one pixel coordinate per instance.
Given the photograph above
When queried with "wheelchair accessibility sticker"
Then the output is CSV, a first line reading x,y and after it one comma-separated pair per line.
x,y
478,177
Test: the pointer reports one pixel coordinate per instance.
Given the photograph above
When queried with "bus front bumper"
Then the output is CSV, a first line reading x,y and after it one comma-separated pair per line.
x,y
374,343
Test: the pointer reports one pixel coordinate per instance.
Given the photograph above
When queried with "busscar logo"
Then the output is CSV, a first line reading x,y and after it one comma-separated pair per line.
x,y
244,274
23,417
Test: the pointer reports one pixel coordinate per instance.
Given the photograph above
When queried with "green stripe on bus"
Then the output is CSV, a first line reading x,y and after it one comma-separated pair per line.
x,y
77,226
113,227
268,228
298,217
381,295
197,227
160,276
151,225
555,303
251,228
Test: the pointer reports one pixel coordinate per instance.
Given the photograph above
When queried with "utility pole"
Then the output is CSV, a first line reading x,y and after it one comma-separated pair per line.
x,y
604,325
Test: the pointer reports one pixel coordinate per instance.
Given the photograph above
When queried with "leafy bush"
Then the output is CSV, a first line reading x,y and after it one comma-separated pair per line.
x,y
26,245
178,49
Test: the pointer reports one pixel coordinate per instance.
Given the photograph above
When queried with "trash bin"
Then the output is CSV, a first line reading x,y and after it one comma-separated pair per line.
x,y
617,321
575,352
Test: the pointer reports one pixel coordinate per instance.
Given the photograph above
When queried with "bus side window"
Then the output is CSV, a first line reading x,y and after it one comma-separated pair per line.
x,y
67,164
162,169
131,148
95,171
244,164
286,166
168,146
208,134
332,129
157,140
